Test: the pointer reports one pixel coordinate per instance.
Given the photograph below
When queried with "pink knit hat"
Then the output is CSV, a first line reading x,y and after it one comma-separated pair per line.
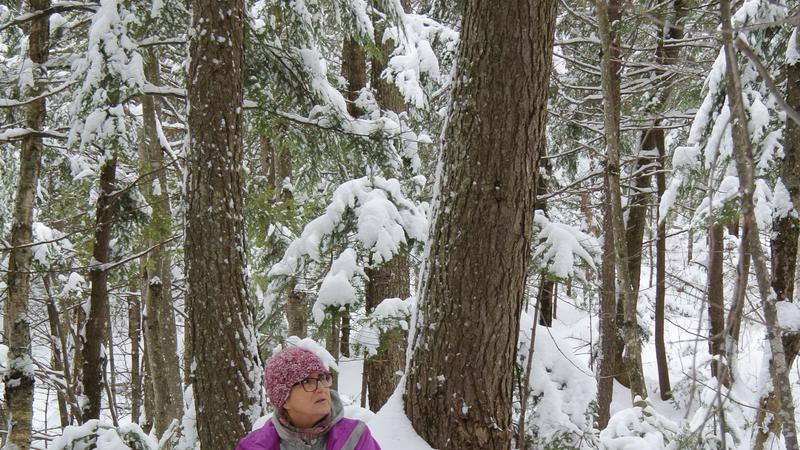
x,y
287,368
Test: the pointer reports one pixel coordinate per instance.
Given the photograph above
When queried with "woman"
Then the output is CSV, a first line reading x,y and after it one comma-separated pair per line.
x,y
308,415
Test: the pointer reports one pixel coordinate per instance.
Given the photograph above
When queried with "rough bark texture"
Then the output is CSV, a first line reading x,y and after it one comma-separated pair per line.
x,y
716,302
159,324
391,280
354,70
95,335
784,250
222,338
18,378
609,337
743,154
459,387
632,357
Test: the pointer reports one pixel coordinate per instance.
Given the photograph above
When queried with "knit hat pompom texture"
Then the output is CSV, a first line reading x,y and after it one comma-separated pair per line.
x,y
287,368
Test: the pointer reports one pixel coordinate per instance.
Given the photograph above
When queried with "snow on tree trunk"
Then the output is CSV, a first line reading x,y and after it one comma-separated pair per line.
x,y
743,155
786,228
18,378
458,389
225,365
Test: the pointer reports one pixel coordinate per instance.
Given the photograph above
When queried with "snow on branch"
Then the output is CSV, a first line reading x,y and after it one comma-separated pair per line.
x,y
385,221
559,247
111,73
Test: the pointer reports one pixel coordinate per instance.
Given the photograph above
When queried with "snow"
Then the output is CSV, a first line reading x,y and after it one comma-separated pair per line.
x,y
337,288
385,218
637,429
315,348
792,49
788,315
559,246
391,427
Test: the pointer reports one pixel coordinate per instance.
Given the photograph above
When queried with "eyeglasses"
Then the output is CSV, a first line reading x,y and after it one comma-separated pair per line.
x,y
311,384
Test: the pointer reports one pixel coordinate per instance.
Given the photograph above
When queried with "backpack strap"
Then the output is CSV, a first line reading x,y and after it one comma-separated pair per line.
x,y
355,436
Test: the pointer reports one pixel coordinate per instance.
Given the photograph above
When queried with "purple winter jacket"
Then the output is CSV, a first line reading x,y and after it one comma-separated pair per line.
x,y
266,437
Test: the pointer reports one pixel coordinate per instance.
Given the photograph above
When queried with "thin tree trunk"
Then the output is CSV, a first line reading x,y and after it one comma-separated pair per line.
x,y
459,385
716,303
223,338
784,251
19,377
333,343
77,354
609,338
159,325
661,280
743,153
544,297
134,333
149,417
94,358
632,356
57,356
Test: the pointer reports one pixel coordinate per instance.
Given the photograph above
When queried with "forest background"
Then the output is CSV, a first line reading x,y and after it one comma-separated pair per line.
x,y
519,224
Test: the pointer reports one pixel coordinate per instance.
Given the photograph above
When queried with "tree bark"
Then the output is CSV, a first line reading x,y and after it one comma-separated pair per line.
x,y
95,335
784,250
661,279
716,303
391,279
57,358
19,376
159,323
458,389
134,333
632,357
609,338
743,154
222,335
388,281
354,70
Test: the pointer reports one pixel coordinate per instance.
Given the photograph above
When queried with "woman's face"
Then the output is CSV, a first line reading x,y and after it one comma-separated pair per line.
x,y
307,408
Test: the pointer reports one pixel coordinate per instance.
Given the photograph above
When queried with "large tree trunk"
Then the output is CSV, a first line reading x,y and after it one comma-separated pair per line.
x,y
609,338
19,379
95,335
159,323
223,339
743,153
784,250
609,39
458,390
